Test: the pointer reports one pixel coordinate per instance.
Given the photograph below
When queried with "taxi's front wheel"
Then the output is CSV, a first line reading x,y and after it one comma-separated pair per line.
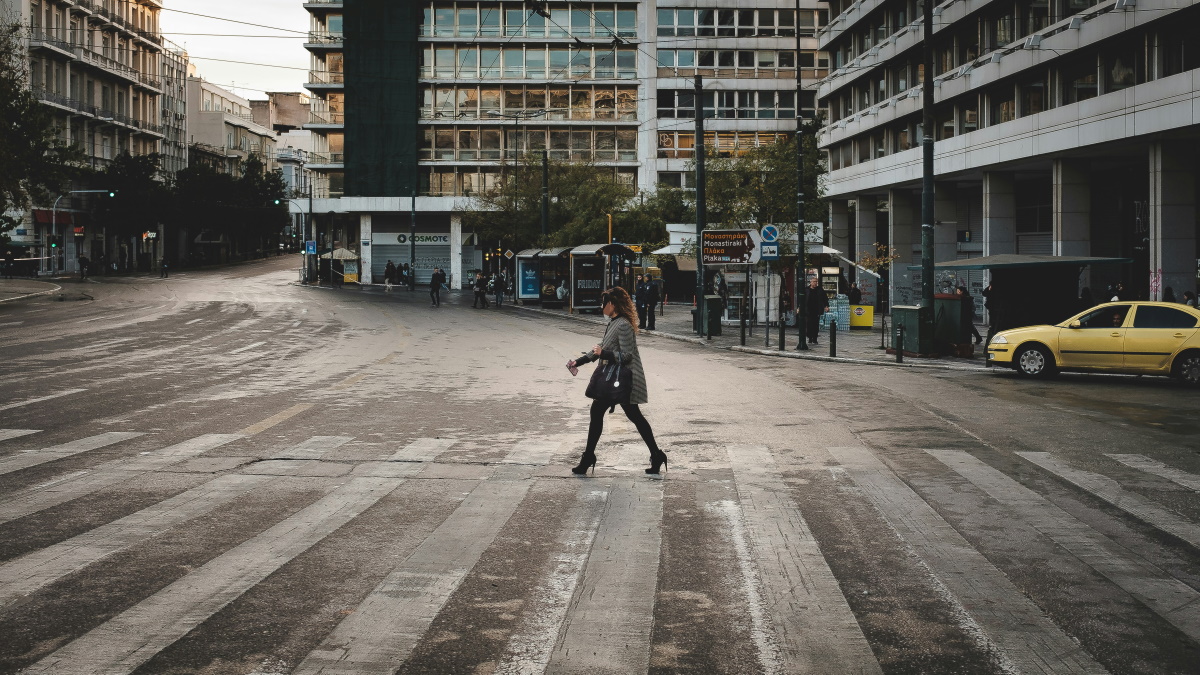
x,y
1034,361
1187,368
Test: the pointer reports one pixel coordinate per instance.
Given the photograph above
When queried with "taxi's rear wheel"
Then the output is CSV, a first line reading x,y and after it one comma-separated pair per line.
x,y
1187,367
1034,361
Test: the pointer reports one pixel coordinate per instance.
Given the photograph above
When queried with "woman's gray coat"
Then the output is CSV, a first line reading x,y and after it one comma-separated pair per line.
x,y
619,336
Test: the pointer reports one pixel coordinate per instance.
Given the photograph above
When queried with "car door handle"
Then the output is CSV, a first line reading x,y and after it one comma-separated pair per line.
x,y
1116,335
1178,335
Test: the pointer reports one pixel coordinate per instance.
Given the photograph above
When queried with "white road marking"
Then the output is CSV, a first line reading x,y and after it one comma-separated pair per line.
x,y
31,401
95,318
611,617
1164,595
30,458
761,631
32,500
314,448
1153,466
812,621
11,323
188,323
1018,630
6,434
531,644
389,623
533,452
28,573
1107,489
130,639
248,347
422,450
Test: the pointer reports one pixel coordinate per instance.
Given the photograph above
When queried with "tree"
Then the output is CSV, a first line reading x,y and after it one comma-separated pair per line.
x,y
580,197
243,209
140,201
36,164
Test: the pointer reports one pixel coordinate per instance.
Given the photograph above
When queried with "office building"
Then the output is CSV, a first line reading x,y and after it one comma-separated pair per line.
x,y
1062,127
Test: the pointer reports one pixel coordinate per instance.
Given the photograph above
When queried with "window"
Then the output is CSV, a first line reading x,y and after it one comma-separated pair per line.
x,y
1079,81
1149,316
1105,317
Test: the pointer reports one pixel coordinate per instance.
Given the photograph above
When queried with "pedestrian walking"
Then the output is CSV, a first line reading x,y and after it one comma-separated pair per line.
x,y
480,287
652,299
163,272
1189,298
499,284
639,299
83,267
435,287
1086,301
389,275
817,305
618,374
1169,295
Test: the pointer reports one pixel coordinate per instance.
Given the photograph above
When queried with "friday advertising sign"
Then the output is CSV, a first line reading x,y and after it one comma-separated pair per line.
x,y
587,276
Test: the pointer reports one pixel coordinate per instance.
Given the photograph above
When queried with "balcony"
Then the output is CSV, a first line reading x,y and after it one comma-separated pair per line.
x,y
150,82
323,40
43,39
326,161
325,118
324,79
104,63
323,5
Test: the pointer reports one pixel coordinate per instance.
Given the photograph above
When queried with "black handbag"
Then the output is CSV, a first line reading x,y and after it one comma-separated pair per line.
x,y
611,382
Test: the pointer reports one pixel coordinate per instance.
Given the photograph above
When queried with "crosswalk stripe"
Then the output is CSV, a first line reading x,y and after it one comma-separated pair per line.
x,y
28,573
533,452
130,639
31,401
314,448
813,623
422,450
37,498
531,644
611,616
1153,466
1110,491
1016,627
387,625
25,460
1168,597
6,434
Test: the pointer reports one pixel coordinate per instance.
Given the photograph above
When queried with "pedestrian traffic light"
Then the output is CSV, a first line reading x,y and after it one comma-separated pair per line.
x,y
53,241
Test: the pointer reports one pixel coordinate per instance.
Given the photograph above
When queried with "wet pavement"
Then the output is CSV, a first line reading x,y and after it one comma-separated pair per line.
x,y
226,472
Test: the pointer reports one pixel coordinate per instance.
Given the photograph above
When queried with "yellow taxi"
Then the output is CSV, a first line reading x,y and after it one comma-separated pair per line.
x,y
1144,338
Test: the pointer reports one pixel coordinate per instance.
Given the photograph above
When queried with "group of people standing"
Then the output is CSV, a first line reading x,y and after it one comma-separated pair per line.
x,y
647,296
497,284
396,274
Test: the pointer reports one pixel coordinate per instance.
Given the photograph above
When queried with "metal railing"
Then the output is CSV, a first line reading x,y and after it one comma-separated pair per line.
x,y
326,117
326,77
326,158
39,35
324,37
101,61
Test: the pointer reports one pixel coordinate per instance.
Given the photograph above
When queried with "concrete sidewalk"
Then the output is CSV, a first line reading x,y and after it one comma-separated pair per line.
x,y
860,346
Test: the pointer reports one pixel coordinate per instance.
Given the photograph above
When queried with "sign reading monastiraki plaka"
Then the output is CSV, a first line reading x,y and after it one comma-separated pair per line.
x,y
730,247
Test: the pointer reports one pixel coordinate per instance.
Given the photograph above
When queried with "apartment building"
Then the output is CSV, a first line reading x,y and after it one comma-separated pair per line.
x,y
96,64
1062,127
174,147
417,106
221,128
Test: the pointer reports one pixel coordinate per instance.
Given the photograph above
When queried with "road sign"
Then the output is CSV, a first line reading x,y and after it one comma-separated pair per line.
x,y
509,254
730,247
310,247
769,233
770,251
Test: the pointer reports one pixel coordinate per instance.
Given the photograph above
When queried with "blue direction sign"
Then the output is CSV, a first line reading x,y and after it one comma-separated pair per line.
x,y
769,233
310,247
770,251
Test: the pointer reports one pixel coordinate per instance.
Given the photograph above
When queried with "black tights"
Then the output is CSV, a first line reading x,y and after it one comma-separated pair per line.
x,y
631,411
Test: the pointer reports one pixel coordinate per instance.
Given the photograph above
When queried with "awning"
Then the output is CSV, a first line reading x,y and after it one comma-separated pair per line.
x,y
1017,260
340,254
556,251
45,216
603,249
529,253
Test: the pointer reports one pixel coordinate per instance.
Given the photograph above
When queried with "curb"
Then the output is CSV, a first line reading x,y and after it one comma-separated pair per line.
x,y
56,289
772,352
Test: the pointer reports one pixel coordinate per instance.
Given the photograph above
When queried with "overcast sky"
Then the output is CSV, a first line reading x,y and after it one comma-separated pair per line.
x,y
247,43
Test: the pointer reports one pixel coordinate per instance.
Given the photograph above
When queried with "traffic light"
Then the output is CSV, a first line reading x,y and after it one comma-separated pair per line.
x,y
278,202
112,193
55,241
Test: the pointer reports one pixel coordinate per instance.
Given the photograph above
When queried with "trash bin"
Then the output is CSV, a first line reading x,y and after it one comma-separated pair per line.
x,y
715,308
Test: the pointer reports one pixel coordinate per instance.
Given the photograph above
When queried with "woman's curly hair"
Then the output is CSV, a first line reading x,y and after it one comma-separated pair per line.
x,y
622,303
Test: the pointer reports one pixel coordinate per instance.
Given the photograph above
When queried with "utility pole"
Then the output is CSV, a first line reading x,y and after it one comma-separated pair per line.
x,y
701,215
927,180
545,193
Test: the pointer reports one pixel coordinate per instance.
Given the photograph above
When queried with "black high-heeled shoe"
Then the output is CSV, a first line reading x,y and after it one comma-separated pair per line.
x,y
657,458
587,461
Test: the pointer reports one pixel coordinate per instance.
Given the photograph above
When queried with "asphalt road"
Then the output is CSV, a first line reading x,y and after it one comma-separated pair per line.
x,y
224,472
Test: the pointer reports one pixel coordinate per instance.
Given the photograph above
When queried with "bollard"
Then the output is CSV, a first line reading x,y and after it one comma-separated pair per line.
x,y
781,334
833,337
900,343
883,333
